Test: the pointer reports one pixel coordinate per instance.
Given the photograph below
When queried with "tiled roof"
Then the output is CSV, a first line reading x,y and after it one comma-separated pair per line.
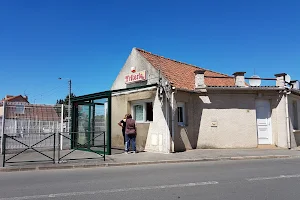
x,y
34,112
182,74
15,98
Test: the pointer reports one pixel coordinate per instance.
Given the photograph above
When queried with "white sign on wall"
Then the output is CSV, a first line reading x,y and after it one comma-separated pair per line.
x,y
135,77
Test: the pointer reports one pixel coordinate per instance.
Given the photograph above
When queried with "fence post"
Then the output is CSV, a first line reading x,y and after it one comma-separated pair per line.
x,y
61,126
28,127
39,126
59,149
104,146
4,149
3,126
109,125
54,148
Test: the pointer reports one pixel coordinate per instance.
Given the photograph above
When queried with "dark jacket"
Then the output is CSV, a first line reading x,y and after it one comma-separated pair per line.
x,y
130,127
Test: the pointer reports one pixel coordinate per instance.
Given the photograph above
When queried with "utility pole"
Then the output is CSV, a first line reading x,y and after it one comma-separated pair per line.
x,y
69,103
69,106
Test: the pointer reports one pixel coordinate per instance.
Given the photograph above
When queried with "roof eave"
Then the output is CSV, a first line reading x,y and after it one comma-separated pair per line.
x,y
213,88
296,92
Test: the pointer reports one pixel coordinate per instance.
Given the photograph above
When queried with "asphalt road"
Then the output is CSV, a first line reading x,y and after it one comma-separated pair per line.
x,y
228,180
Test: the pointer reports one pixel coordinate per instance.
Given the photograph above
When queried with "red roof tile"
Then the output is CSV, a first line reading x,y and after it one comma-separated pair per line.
x,y
34,112
182,74
18,98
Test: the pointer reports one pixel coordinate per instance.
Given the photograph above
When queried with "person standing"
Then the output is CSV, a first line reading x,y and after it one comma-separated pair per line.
x,y
130,134
122,123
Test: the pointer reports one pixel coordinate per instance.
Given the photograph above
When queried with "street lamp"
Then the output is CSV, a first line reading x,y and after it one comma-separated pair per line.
x,y
69,103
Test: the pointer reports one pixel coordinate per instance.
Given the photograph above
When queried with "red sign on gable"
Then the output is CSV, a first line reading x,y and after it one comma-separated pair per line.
x,y
136,77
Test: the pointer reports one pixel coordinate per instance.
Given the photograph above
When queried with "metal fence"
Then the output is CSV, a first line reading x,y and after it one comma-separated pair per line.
x,y
30,122
40,133
66,146
38,152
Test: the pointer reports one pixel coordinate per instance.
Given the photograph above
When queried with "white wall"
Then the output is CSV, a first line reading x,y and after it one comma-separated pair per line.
x,y
281,124
136,60
158,134
235,118
295,133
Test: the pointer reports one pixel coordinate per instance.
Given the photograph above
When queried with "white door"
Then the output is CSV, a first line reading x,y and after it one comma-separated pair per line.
x,y
263,121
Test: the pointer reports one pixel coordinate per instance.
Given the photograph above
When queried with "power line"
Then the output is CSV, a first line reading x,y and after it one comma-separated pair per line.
x,y
42,94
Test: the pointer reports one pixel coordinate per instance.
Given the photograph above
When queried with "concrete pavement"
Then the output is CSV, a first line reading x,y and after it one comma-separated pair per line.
x,y
273,179
120,159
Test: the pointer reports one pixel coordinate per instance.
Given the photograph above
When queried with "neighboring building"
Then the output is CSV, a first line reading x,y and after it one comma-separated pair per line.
x,y
19,98
11,98
22,117
187,107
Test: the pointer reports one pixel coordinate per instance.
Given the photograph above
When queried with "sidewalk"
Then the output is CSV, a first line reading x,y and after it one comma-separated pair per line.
x,y
120,159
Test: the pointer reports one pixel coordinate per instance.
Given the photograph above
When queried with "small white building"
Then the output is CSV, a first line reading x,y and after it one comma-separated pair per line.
x,y
186,107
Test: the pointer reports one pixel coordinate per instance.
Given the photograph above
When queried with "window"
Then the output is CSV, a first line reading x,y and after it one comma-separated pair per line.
x,y
138,112
295,112
20,109
181,114
142,111
149,111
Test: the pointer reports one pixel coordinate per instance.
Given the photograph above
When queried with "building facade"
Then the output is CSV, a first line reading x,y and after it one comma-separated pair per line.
x,y
186,107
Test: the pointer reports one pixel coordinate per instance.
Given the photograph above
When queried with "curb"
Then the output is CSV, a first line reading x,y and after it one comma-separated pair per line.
x,y
94,165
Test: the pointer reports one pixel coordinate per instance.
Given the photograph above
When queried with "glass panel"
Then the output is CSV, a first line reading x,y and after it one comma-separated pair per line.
x,y
83,123
99,128
138,112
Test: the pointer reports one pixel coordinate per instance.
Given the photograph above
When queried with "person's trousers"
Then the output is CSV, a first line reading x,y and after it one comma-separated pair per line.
x,y
130,139
123,132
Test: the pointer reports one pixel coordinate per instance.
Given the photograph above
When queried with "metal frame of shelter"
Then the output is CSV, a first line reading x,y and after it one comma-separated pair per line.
x,y
90,100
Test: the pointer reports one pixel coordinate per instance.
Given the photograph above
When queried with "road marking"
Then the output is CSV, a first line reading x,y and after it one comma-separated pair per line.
x,y
274,177
59,195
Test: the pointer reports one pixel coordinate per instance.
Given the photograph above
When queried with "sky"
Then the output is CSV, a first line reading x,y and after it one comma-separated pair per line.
x,y
88,41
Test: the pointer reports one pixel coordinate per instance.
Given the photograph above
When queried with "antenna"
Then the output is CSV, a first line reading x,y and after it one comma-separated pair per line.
x,y
287,78
255,80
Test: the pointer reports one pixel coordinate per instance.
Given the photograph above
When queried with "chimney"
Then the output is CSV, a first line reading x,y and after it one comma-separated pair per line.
x,y
280,79
239,79
8,96
199,79
26,97
295,84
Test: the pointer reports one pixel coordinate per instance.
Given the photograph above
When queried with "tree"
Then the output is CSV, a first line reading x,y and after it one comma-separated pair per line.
x,y
66,100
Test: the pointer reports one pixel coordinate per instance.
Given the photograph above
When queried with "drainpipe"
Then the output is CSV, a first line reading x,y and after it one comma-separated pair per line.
x,y
167,111
280,82
173,122
287,119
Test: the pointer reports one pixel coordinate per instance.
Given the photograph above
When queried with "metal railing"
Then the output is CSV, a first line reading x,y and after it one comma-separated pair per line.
x,y
66,146
26,147
91,142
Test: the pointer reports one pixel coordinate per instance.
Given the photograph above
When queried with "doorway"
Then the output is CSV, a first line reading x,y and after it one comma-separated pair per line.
x,y
263,122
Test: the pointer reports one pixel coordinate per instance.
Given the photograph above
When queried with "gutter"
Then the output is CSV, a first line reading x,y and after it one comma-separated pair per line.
x,y
288,130
295,92
107,93
245,88
133,91
200,90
